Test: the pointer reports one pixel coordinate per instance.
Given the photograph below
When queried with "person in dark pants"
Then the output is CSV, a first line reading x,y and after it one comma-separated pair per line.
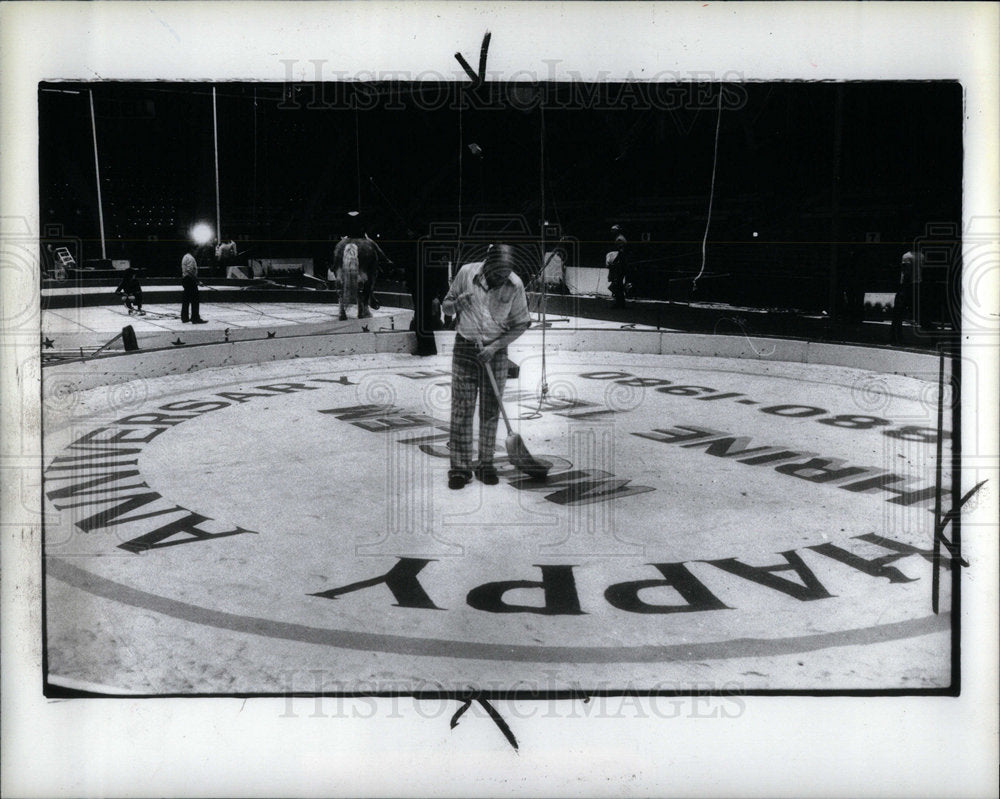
x,y
422,281
131,290
189,284
617,263
902,304
851,283
492,311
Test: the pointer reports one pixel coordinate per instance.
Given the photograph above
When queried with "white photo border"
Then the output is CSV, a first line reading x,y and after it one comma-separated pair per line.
x,y
801,746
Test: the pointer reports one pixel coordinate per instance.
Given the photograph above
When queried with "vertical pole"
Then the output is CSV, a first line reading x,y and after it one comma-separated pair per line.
x,y
541,186
956,490
254,193
215,133
97,172
541,160
357,154
541,172
938,525
461,149
838,130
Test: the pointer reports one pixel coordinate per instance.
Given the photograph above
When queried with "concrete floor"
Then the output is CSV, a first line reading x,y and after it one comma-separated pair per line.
x,y
647,561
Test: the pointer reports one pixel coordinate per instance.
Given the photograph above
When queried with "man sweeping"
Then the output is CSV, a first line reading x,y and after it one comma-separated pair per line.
x,y
491,309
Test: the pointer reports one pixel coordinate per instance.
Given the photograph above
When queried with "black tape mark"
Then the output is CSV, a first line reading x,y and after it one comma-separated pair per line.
x,y
477,79
475,696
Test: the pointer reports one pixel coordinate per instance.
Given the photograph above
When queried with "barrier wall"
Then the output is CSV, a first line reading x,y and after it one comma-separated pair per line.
x,y
121,368
116,369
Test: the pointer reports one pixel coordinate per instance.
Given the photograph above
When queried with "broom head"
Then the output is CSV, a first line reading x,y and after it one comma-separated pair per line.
x,y
518,455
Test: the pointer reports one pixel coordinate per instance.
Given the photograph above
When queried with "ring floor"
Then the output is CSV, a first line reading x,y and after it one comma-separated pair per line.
x,y
287,526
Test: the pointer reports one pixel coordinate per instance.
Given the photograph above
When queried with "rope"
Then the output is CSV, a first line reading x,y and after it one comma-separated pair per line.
x,y
711,195
245,306
461,147
254,309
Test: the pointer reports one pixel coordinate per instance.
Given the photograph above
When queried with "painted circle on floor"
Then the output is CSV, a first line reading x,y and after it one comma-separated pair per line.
x,y
697,508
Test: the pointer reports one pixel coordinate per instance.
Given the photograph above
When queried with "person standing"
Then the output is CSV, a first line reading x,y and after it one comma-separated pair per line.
x,y
225,257
491,307
189,284
908,285
554,271
426,285
854,282
617,263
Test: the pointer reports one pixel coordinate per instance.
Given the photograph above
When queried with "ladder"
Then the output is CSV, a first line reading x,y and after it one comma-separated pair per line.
x,y
63,259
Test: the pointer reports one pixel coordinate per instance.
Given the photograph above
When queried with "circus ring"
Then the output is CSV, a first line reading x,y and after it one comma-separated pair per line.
x,y
258,517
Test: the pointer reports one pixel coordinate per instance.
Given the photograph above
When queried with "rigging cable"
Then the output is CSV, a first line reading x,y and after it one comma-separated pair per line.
x,y
711,195
541,160
461,147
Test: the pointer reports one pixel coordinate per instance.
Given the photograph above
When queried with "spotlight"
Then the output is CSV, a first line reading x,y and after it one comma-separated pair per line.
x,y
202,233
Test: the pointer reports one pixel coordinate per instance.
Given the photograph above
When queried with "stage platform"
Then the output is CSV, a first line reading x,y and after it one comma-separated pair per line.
x,y
76,332
71,330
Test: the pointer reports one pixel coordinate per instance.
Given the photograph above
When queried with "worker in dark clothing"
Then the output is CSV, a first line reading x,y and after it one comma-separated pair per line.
x,y
617,263
907,286
131,291
427,284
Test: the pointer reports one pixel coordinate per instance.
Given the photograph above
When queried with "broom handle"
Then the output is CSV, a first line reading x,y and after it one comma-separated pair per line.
x,y
496,390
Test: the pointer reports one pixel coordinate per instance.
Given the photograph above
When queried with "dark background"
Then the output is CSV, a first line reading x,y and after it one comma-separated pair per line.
x,y
836,179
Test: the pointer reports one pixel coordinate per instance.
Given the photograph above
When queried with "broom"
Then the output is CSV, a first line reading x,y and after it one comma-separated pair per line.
x,y
517,452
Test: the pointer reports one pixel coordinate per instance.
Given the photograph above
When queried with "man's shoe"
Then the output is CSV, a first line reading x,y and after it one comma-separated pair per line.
x,y
199,321
487,474
457,481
